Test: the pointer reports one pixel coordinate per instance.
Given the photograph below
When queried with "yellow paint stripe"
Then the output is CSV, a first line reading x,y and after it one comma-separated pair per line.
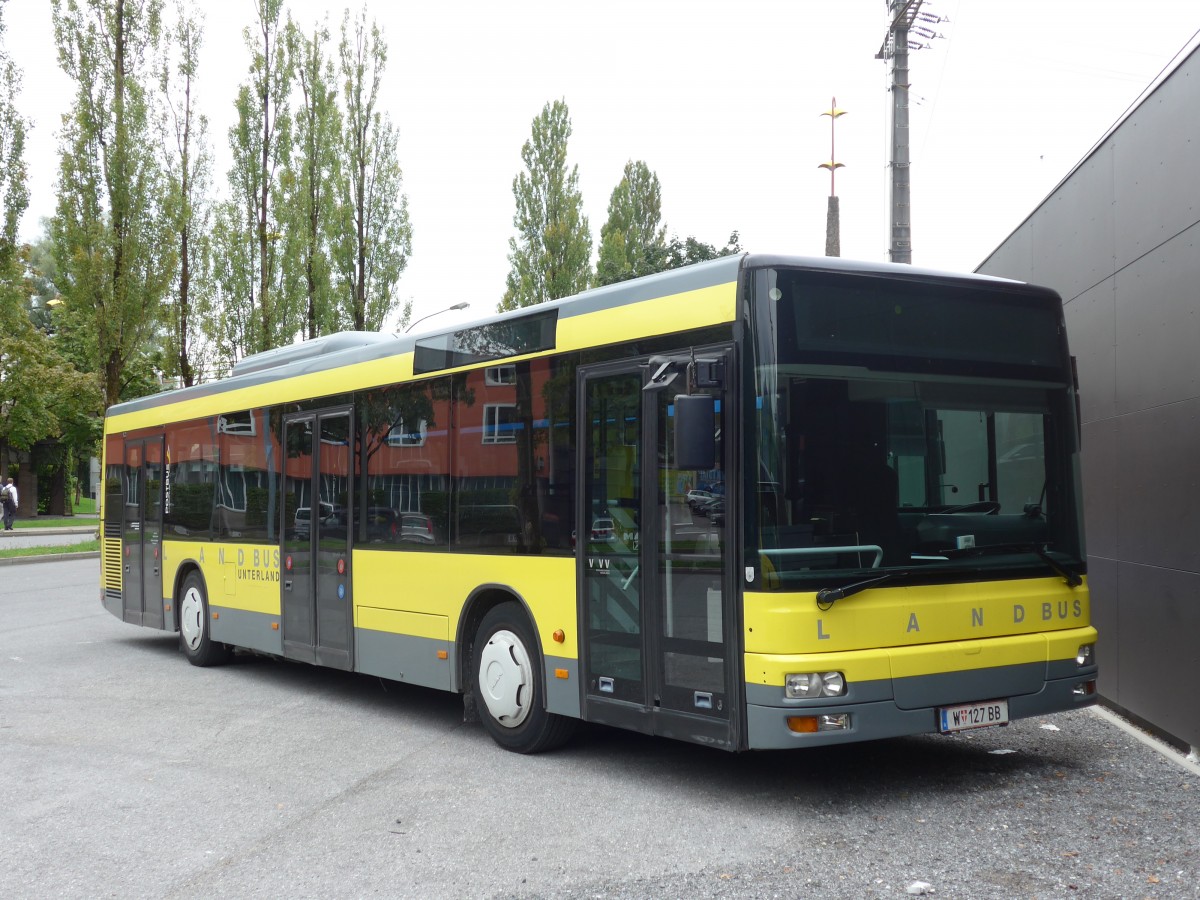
x,y
438,584
400,622
678,312
931,659
238,576
906,616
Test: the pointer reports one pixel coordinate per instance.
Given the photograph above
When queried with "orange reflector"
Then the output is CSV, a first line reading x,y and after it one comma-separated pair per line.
x,y
167,607
802,724
559,636
274,626
561,673
216,615
442,654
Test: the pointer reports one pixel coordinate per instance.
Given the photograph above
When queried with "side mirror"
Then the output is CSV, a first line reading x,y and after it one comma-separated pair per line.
x,y
695,439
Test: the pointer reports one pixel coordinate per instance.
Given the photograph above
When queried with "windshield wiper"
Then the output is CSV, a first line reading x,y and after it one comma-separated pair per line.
x,y
826,597
1069,575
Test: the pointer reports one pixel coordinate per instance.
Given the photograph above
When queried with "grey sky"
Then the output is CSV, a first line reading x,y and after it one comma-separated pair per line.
x,y
722,100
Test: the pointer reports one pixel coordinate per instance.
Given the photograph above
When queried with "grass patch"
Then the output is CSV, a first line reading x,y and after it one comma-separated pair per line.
x,y
85,547
55,522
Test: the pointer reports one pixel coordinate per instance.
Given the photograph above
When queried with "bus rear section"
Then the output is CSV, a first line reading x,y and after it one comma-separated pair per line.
x,y
914,555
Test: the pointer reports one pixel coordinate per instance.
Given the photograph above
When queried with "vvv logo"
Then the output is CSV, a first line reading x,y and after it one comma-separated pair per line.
x,y
599,563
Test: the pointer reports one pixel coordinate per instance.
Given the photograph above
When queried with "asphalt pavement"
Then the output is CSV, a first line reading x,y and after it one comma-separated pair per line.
x,y
128,773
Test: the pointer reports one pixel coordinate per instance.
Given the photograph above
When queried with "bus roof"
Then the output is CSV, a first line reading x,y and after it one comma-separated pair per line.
x,y
348,348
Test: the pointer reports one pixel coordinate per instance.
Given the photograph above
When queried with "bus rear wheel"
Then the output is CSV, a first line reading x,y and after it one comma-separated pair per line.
x,y
195,637
509,684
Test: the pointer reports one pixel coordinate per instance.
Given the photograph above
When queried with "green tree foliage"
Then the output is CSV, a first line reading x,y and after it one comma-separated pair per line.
x,y
235,267
261,144
42,273
109,229
189,181
551,251
376,233
14,192
676,253
634,230
41,395
312,182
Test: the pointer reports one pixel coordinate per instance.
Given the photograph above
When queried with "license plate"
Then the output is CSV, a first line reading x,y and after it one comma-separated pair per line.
x,y
973,715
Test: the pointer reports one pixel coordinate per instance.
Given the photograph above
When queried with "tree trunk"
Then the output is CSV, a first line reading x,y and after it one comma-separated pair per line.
x,y
360,219
263,294
186,375
118,195
112,378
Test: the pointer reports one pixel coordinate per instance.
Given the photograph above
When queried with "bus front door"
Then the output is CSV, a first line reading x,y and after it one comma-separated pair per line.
x,y
141,539
655,571
314,538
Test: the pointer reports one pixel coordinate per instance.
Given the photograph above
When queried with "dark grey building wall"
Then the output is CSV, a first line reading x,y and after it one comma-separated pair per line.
x,y
1119,238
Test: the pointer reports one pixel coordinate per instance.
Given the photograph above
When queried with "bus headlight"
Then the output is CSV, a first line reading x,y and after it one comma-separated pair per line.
x,y
1086,655
809,685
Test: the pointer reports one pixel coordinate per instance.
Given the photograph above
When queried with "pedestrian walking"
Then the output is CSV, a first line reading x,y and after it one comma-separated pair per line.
x,y
8,498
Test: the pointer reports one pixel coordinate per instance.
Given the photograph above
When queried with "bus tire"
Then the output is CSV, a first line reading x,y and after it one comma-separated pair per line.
x,y
195,636
509,684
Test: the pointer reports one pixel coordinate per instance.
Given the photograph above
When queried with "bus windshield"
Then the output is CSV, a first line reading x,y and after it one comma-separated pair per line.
x,y
905,426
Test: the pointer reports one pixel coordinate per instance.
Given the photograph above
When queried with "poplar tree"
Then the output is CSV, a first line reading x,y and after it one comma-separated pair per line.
x,y
41,395
14,191
312,184
550,254
261,146
235,264
189,180
634,230
377,234
109,229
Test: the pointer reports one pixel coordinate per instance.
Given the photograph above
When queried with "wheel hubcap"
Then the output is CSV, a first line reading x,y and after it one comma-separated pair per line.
x,y
506,678
191,623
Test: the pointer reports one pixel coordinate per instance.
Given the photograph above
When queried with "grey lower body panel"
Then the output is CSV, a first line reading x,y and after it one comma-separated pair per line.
x,y
562,694
766,725
402,657
250,630
114,602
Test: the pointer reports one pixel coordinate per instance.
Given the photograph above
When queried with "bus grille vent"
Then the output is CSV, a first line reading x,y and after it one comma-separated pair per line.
x,y
112,564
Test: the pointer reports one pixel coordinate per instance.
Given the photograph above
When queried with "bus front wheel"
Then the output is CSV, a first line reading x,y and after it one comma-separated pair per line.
x,y
509,684
195,637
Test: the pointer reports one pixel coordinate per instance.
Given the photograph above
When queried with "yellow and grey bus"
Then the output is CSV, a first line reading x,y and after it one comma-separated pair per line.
x,y
757,503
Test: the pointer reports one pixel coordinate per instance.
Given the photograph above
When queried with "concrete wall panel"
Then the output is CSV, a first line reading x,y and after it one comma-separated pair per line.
x,y
1159,622
1158,326
1119,240
1015,254
1102,582
1156,191
1157,479
1101,470
1091,324
1073,231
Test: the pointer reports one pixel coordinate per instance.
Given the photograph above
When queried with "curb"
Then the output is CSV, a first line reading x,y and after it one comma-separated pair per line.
x,y
49,557
1187,762
69,529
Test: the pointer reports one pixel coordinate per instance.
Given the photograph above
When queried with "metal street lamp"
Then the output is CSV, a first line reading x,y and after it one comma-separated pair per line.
x,y
462,305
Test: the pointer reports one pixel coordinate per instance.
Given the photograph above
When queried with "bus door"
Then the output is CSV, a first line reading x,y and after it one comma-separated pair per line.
x,y
656,584
141,533
314,538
